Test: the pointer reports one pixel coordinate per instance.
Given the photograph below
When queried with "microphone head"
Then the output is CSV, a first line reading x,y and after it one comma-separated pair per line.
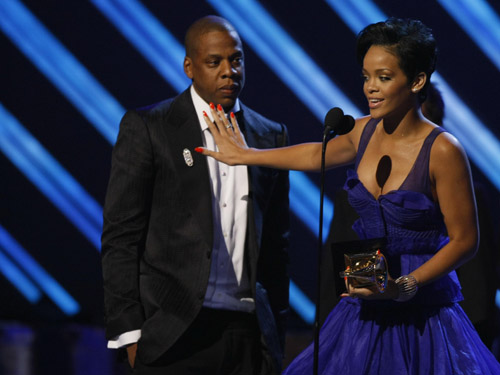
x,y
346,125
333,118
337,122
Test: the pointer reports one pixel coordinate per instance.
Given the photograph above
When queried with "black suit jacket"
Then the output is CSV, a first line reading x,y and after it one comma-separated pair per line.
x,y
157,236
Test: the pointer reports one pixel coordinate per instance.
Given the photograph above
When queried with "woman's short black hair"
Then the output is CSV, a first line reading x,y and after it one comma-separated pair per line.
x,y
410,40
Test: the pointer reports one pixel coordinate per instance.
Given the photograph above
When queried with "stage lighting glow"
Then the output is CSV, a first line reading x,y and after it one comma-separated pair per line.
x,y
17,278
305,203
357,14
61,68
30,157
46,282
480,22
481,144
146,33
301,304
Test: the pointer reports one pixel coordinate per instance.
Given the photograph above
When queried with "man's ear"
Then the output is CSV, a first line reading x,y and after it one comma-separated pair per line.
x,y
188,67
419,82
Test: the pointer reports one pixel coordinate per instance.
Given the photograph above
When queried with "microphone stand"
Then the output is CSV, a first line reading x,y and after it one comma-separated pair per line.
x,y
320,251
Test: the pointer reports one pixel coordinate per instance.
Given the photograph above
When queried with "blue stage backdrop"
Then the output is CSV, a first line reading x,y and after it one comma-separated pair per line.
x,y
70,69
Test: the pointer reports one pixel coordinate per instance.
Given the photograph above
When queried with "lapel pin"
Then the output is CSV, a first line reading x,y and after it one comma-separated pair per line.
x,y
188,158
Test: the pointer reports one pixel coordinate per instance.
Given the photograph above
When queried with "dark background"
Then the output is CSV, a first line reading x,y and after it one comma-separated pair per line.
x,y
40,228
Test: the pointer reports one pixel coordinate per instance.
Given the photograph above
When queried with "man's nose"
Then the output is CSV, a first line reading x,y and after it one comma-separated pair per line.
x,y
227,69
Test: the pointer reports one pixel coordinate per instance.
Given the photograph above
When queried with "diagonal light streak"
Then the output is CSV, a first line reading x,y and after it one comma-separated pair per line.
x,y
306,205
480,22
481,145
61,68
46,282
302,304
85,93
20,281
358,13
29,156
138,25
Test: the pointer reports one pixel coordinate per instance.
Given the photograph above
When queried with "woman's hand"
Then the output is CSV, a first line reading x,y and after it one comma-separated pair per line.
x,y
391,291
227,135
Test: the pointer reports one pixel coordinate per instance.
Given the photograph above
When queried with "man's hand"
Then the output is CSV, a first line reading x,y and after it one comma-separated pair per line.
x,y
131,352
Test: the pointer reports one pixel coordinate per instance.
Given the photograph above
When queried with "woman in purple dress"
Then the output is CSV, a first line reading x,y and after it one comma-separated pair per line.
x,y
411,184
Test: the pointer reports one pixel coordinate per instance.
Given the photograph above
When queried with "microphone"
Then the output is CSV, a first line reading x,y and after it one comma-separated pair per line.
x,y
338,123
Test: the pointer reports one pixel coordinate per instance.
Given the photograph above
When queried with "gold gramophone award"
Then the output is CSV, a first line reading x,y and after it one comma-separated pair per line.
x,y
366,270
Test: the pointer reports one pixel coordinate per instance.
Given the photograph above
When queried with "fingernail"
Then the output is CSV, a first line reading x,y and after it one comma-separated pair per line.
x,y
232,115
345,277
219,107
205,114
199,149
212,105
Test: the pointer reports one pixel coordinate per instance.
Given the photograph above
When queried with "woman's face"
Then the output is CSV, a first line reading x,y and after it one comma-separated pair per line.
x,y
385,85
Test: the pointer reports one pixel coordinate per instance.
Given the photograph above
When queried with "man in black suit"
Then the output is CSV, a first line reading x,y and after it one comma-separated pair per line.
x,y
194,251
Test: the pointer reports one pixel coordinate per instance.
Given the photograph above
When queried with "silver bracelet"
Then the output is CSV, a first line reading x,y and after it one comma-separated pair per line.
x,y
407,285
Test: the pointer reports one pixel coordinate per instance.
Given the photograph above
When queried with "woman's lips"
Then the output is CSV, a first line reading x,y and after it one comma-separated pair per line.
x,y
374,103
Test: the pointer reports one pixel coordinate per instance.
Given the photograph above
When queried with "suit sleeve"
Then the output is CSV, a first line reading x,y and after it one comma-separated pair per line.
x,y
275,239
126,215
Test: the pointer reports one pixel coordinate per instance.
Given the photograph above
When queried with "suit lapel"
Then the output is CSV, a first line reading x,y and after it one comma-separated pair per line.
x,y
254,231
184,133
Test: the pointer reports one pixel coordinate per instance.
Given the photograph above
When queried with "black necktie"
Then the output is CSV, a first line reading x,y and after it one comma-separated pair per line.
x,y
240,120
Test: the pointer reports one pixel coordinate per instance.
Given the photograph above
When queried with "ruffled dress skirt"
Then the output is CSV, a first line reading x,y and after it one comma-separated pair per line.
x,y
361,337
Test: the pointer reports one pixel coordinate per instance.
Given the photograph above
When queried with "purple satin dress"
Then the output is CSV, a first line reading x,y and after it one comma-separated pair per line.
x,y
430,334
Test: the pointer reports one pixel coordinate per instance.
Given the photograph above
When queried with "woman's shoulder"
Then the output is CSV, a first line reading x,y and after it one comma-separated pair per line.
x,y
446,144
359,126
362,121
447,152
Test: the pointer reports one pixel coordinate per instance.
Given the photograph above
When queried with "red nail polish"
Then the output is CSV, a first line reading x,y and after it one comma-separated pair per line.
x,y
232,115
198,149
212,105
219,107
345,277
205,114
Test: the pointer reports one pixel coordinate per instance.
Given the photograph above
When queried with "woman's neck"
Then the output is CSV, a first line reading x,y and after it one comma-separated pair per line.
x,y
403,125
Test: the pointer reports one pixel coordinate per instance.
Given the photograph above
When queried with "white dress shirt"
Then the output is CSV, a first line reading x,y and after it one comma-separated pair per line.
x,y
228,284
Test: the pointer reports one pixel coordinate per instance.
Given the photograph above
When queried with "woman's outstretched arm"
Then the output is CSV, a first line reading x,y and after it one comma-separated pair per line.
x,y
233,149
